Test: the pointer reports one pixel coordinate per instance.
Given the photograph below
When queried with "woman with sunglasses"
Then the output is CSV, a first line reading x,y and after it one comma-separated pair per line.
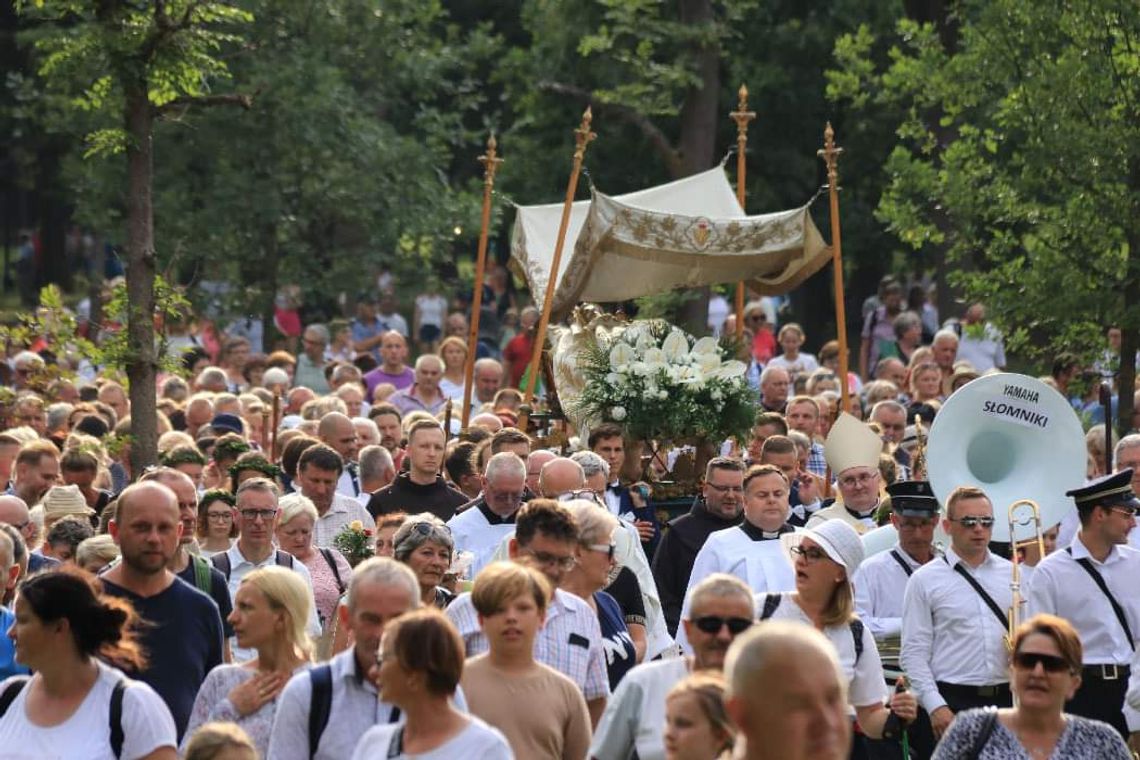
x,y
824,558
424,544
217,528
590,574
1045,672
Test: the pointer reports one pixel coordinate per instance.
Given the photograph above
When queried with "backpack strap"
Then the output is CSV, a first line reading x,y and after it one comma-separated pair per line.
x,y
116,716
9,695
989,721
222,562
331,560
771,602
320,704
284,559
201,574
857,636
396,746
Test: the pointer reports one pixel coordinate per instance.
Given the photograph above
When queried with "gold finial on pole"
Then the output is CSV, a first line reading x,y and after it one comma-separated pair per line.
x,y
582,138
830,154
742,116
490,163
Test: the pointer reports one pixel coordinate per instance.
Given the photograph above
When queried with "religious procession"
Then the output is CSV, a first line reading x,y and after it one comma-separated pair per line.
x,y
379,443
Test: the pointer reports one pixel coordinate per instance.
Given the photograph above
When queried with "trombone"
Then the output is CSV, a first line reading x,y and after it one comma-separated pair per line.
x,y
1015,581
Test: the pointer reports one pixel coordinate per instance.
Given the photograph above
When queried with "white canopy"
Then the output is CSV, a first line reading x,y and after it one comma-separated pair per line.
x,y
686,233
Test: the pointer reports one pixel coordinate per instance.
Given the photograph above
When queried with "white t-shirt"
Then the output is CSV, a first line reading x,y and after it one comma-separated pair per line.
x,y
147,725
635,715
478,741
432,309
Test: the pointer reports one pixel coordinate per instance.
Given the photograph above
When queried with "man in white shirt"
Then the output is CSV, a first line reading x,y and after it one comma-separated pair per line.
x,y
482,524
381,589
852,452
954,622
317,473
980,343
722,607
1091,583
258,513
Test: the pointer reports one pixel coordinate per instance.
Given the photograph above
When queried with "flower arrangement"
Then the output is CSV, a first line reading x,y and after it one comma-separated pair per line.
x,y
355,542
662,385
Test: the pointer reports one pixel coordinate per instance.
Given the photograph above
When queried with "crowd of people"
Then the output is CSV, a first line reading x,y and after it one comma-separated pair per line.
x,y
361,576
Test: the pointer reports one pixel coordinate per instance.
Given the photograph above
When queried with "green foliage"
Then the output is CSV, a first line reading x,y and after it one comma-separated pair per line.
x,y
115,353
1020,154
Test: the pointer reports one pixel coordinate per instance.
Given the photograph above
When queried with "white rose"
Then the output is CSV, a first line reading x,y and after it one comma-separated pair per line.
x,y
617,413
662,395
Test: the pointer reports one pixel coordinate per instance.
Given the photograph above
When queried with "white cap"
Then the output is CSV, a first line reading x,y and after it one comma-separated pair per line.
x,y
838,540
851,444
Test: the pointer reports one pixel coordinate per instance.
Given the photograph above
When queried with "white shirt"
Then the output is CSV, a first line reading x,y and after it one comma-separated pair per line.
x,y
342,511
803,364
865,683
241,567
948,632
984,353
433,308
474,533
355,704
146,722
879,586
762,564
345,485
634,718
478,741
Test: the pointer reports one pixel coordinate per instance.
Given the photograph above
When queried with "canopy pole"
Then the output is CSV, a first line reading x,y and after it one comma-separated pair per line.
x,y
490,165
582,138
830,154
741,116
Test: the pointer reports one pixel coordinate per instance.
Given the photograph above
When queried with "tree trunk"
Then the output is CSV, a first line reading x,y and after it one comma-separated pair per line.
x,y
54,215
699,116
269,271
1129,332
141,269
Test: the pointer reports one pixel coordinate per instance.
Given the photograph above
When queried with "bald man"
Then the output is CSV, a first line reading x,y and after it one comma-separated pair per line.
x,y
786,694
14,511
183,635
560,475
534,465
337,431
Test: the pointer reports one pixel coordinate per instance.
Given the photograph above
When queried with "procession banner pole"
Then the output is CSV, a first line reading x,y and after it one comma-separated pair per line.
x,y
582,138
741,116
830,155
490,165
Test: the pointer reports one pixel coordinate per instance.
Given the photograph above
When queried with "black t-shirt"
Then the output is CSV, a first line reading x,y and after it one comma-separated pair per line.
x,y
626,591
402,495
219,592
182,641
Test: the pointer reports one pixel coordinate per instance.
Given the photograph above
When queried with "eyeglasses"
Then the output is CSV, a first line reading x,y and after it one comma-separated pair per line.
x,y
1129,511
606,549
510,497
810,555
725,489
713,624
253,514
974,522
581,493
222,516
849,481
552,560
1049,662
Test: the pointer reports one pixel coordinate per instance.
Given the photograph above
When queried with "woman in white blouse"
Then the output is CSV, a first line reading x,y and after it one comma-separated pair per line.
x,y
271,609
825,558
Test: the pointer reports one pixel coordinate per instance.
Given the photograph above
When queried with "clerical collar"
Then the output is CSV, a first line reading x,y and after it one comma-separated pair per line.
x,y
492,518
859,515
759,534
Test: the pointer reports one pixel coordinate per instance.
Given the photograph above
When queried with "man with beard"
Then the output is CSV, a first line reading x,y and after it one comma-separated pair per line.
x,y
183,632
388,422
381,589
719,506
722,607
192,568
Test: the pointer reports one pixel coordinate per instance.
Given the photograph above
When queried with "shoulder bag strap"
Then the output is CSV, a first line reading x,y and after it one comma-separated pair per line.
x,y
396,746
13,691
222,562
115,719
856,626
989,600
320,704
331,561
1099,580
771,602
985,730
902,563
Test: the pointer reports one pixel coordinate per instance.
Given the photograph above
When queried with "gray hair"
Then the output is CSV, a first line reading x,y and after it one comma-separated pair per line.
x,y
7,555
721,586
752,651
57,414
424,358
944,333
592,463
595,525
409,537
905,322
28,359
294,505
211,376
375,460
1130,441
488,362
383,571
891,404
260,485
505,463
770,370
320,331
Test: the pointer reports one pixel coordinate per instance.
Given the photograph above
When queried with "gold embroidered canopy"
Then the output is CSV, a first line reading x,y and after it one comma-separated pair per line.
x,y
686,233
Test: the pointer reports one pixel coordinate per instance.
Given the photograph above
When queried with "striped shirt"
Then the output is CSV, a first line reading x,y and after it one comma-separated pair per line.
x,y
342,511
570,640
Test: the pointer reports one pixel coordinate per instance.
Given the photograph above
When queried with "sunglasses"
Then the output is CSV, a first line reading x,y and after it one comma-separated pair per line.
x,y
1049,662
973,522
427,528
713,624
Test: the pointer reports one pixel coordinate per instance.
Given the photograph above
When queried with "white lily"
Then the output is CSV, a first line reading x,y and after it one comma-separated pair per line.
x,y
675,346
706,345
621,353
729,370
